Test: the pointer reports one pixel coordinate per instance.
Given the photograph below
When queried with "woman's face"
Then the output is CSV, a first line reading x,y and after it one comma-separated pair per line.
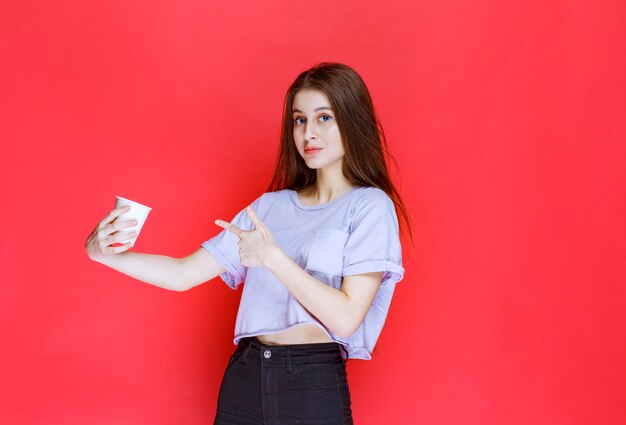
x,y
315,130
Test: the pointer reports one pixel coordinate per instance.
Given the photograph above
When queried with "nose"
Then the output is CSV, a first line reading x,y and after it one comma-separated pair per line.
x,y
310,132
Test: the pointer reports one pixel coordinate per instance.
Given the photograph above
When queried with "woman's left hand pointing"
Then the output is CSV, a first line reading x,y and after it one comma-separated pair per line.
x,y
254,245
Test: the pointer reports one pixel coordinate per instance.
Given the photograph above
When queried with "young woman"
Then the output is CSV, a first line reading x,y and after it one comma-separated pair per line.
x,y
319,253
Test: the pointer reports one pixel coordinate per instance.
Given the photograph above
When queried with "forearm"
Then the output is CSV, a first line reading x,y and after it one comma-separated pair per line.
x,y
158,270
330,306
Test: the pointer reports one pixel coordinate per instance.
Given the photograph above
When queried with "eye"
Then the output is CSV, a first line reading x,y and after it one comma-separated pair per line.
x,y
325,118
299,120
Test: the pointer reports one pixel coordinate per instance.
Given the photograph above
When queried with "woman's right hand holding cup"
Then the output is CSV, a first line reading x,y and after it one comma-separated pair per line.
x,y
107,233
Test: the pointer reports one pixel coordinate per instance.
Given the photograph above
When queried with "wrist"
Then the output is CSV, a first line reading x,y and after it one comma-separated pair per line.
x,y
272,257
107,260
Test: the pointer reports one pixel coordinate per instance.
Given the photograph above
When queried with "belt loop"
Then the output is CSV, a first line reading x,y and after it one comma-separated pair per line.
x,y
246,351
289,363
345,351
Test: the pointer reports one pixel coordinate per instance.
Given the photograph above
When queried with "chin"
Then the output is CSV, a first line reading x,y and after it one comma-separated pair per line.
x,y
311,163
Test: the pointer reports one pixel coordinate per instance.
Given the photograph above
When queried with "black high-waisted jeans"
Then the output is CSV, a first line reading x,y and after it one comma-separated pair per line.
x,y
284,384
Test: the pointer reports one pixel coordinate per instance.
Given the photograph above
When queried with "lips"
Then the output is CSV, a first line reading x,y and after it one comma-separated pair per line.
x,y
311,151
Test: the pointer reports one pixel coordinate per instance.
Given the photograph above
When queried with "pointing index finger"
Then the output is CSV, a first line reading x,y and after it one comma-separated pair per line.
x,y
229,226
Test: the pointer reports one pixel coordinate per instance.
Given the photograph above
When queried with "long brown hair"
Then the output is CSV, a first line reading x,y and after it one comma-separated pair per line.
x,y
366,156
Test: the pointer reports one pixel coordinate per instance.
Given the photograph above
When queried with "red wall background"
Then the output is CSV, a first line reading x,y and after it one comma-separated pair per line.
x,y
507,123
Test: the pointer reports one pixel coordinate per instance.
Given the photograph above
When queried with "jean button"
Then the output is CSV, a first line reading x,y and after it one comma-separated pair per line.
x,y
267,354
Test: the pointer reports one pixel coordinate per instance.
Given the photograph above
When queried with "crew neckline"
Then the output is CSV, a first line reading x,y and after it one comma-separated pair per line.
x,y
296,200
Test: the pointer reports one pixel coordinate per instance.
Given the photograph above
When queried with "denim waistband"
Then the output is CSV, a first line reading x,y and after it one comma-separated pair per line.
x,y
315,352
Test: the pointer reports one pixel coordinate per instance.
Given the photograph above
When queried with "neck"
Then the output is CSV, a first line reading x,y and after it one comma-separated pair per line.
x,y
330,184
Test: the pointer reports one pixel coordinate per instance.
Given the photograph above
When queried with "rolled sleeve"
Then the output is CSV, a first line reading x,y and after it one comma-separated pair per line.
x,y
374,242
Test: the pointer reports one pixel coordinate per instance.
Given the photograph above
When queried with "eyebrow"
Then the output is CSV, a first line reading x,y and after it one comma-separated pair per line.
x,y
315,110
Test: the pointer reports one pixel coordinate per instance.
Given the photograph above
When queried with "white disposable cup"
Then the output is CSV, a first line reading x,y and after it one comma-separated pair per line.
x,y
137,212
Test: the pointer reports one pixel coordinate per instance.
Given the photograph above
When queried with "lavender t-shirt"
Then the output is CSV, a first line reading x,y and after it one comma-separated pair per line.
x,y
353,234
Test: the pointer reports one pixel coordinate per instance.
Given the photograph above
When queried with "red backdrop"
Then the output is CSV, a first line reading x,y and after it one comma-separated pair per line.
x,y
507,123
